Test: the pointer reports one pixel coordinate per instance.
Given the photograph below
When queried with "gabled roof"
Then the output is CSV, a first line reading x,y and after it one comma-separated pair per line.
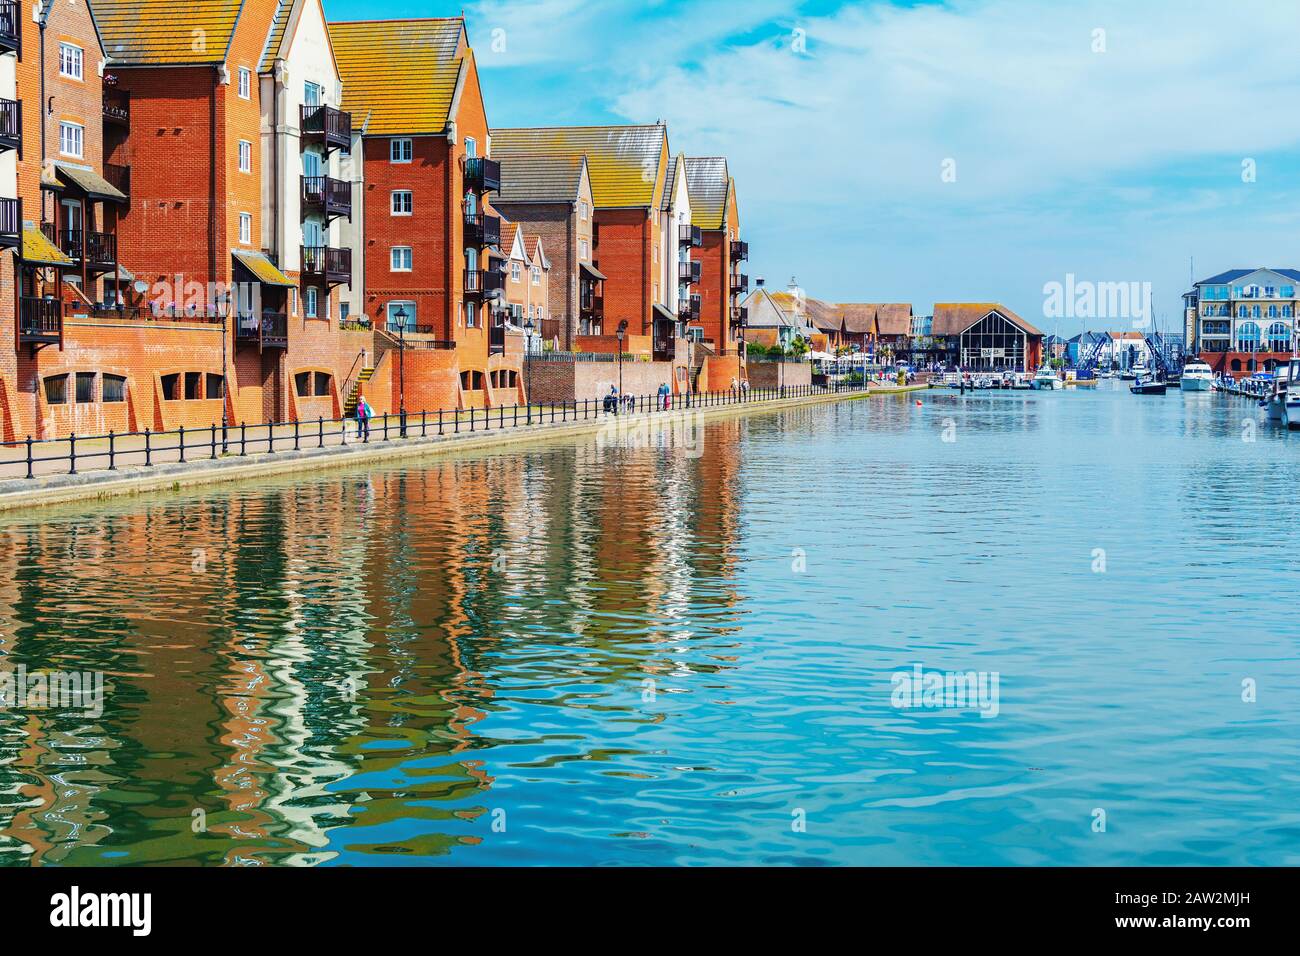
x,y
891,318
769,310
859,318
954,318
540,179
670,174
535,253
625,163
709,185
276,38
1233,275
417,97
163,32
823,315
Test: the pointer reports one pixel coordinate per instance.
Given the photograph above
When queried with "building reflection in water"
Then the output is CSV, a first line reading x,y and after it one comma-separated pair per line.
x,y
336,663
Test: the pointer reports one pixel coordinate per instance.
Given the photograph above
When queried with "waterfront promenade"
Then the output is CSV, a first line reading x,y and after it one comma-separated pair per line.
x,y
140,463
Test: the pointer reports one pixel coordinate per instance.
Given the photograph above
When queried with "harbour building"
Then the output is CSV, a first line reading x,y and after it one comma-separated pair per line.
x,y
1244,320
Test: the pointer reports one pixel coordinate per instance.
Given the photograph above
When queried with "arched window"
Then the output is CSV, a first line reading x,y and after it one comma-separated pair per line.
x,y
1236,365
1279,337
1248,337
1241,311
1254,312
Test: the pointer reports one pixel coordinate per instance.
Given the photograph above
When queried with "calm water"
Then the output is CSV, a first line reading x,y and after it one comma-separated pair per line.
x,y
580,655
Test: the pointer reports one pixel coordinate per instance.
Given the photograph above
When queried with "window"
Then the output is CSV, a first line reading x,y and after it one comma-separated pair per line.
x,y
321,380
514,272
192,381
400,259
537,275
403,202
400,150
246,227
344,311
85,387
582,210
309,302
56,390
114,388
245,156
584,251
71,136
214,387
471,148
70,61
311,94
302,384
245,83
169,386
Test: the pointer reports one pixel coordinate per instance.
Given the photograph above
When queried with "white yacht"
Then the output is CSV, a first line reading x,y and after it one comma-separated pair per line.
x,y
1197,377
1286,393
1047,378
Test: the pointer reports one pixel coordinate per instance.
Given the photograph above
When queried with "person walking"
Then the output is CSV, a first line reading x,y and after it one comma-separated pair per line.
x,y
364,412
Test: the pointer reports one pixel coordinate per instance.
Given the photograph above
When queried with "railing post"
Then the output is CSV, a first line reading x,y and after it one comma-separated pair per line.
x,y
424,428
295,433
455,421
385,426
29,457
72,453
243,437
182,444
439,421
112,465
320,430
213,440
148,453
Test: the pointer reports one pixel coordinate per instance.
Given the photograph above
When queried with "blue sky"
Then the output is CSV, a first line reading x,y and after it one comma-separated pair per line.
x,y
1115,155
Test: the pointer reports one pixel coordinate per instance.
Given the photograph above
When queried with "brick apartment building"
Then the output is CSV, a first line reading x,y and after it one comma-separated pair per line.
x,y
432,261
1244,320
551,197
721,254
527,285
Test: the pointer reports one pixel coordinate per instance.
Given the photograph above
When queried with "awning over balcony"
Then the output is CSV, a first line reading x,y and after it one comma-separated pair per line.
x,y
592,272
90,182
261,268
39,251
664,314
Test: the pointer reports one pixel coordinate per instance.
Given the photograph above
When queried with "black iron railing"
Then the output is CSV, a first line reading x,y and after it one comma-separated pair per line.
x,y
482,175
11,222
688,272
327,264
690,235
100,247
269,330
11,124
481,230
327,195
739,283
144,449
482,282
739,251
688,309
325,125
117,106
11,27
40,319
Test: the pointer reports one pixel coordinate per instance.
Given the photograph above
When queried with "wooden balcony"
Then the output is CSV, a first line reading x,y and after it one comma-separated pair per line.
x,y
11,125
482,231
326,266
482,175
739,251
11,27
482,283
325,126
117,106
326,196
11,223
268,330
40,320
99,248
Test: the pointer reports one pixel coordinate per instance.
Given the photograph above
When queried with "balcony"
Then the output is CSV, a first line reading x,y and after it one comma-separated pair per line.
x,y
692,236
482,175
482,283
688,309
326,126
739,283
688,272
739,251
100,247
11,125
327,196
11,223
325,265
269,330
497,340
482,231
40,320
117,106
11,27
119,177
739,315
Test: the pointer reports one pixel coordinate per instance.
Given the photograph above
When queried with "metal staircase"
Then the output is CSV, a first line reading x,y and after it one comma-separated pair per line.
x,y
350,406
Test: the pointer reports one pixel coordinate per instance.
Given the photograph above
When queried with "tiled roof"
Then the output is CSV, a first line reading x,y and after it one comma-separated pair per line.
x,y
708,184
859,317
278,26
262,268
90,182
953,318
388,100
159,32
535,252
894,318
823,315
669,175
38,249
624,162
540,179
1233,274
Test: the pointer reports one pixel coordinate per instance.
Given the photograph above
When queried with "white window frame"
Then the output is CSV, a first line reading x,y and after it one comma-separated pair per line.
x,y
584,250
394,256
471,148
71,55
245,156
65,129
537,275
393,203
514,272
401,149
245,83
582,210
246,228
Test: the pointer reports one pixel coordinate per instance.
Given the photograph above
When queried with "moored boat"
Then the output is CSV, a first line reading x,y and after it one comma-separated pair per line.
x,y
1197,377
1046,379
1147,386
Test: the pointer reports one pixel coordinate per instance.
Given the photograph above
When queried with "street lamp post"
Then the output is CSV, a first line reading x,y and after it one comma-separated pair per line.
x,y
528,366
401,316
622,330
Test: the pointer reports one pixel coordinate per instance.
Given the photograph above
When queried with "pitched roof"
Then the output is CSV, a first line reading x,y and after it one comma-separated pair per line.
x,y
38,249
276,37
894,318
159,32
1233,274
859,317
414,99
669,175
625,163
535,253
708,184
263,269
540,179
823,315
954,318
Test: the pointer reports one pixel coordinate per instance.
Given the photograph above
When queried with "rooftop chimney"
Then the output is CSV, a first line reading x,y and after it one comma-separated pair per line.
x,y
758,282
